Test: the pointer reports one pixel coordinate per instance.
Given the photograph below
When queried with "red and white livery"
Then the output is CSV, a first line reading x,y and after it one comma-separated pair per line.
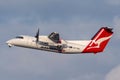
x,y
54,43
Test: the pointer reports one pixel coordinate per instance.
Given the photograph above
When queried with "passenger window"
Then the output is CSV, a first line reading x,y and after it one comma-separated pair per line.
x,y
70,46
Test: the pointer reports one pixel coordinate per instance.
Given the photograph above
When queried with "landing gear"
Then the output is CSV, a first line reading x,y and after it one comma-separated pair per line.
x,y
60,48
10,45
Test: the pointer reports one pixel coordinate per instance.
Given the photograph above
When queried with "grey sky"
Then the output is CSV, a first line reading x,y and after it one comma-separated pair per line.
x,y
73,19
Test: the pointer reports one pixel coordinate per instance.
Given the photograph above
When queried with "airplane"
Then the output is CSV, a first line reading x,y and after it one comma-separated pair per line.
x,y
53,42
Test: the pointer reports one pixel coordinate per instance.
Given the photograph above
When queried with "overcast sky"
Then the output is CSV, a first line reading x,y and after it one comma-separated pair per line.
x,y
73,19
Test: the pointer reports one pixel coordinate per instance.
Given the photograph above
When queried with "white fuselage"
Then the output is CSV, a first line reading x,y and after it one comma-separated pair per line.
x,y
44,43
53,43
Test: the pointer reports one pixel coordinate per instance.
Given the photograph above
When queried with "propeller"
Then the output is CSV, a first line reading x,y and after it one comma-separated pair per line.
x,y
37,36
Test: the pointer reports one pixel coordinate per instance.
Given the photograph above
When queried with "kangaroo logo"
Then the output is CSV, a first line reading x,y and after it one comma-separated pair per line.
x,y
98,42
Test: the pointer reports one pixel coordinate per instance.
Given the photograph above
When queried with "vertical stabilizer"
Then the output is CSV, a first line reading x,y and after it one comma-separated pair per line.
x,y
99,41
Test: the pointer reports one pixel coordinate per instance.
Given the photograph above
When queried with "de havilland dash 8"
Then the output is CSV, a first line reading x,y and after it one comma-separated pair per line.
x,y
54,43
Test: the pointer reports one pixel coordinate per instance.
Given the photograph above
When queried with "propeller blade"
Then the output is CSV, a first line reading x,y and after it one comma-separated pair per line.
x,y
37,36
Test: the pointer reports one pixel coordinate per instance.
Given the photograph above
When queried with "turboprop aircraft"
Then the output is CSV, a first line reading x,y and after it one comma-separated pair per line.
x,y
54,43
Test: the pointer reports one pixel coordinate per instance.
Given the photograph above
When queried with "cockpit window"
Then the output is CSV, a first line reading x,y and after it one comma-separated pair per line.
x,y
19,37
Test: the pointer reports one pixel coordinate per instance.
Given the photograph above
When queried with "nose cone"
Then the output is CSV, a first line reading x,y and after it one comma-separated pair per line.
x,y
9,43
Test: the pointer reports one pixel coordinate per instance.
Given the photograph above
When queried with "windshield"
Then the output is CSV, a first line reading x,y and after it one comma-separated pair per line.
x,y
19,37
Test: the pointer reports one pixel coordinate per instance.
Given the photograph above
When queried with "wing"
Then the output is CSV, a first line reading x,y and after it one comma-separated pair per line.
x,y
54,36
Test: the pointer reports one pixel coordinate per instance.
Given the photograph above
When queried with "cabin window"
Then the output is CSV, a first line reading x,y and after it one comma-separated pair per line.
x,y
19,37
43,43
70,46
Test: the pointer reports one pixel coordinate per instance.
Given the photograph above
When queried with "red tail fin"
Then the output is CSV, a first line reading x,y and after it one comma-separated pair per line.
x,y
100,40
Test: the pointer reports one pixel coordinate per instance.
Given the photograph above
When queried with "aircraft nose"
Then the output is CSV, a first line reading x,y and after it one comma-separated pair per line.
x,y
9,43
